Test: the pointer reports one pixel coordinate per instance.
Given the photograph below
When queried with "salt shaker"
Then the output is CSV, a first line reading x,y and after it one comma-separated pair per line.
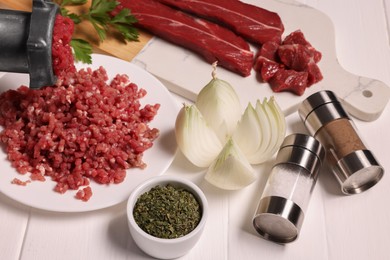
x,y
284,201
354,166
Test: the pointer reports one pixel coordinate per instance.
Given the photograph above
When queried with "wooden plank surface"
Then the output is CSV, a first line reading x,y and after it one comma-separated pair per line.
x,y
112,45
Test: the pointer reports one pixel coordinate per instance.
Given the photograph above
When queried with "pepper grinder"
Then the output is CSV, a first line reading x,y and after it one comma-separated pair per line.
x,y
354,166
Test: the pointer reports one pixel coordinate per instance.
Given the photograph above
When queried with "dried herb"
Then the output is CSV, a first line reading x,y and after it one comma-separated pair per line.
x,y
167,212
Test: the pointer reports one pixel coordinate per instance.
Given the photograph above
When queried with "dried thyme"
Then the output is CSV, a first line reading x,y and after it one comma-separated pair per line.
x,y
167,212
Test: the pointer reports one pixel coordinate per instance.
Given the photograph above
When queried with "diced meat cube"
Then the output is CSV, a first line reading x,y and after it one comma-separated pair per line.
x,y
289,80
266,68
289,66
314,74
295,56
297,37
269,50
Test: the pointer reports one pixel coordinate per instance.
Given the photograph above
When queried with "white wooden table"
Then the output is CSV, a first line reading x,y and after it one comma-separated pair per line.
x,y
336,227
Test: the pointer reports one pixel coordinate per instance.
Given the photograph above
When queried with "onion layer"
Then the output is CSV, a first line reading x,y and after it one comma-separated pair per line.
x,y
220,106
198,142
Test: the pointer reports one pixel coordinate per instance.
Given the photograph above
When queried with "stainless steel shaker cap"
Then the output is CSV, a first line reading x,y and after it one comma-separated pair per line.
x,y
278,219
303,150
319,109
315,100
358,171
304,141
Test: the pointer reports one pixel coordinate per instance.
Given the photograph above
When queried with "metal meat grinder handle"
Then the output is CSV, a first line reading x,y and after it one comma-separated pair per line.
x,y
26,41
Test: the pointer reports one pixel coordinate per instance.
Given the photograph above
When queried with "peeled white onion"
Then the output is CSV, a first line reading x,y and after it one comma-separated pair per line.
x,y
213,133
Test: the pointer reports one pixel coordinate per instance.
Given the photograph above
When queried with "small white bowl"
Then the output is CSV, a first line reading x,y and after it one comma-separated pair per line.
x,y
163,248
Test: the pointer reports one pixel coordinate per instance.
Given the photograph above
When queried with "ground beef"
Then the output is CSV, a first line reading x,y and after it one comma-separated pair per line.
x,y
83,128
62,56
84,194
20,182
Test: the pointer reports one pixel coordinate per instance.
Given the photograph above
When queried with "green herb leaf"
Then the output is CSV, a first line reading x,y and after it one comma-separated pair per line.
x,y
73,2
103,6
99,15
100,29
75,18
123,22
82,50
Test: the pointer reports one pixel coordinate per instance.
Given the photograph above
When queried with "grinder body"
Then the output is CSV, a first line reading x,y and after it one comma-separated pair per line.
x,y
26,42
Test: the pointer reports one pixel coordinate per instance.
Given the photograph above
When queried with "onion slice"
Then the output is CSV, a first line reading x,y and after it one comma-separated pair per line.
x,y
265,130
248,134
261,131
230,170
276,113
197,141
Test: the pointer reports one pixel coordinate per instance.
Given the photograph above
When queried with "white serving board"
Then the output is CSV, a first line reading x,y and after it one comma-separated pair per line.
x,y
185,73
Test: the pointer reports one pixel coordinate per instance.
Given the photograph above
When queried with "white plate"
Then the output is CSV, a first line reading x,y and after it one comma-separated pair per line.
x,y
41,195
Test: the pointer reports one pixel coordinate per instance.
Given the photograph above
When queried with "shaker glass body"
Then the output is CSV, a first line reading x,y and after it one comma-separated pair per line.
x,y
284,201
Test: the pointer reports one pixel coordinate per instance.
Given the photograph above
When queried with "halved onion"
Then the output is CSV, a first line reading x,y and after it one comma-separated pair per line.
x,y
230,170
198,142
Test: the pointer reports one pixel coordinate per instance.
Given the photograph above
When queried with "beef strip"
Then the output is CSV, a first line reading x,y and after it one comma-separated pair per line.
x,y
253,23
211,41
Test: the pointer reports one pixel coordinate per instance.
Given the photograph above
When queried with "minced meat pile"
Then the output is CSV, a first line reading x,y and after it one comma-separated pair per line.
x,y
61,52
83,128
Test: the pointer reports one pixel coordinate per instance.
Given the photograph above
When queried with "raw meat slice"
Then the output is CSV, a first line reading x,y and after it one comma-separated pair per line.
x,y
213,42
289,80
254,23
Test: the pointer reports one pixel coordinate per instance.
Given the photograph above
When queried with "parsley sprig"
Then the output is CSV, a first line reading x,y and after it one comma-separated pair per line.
x,y
100,16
